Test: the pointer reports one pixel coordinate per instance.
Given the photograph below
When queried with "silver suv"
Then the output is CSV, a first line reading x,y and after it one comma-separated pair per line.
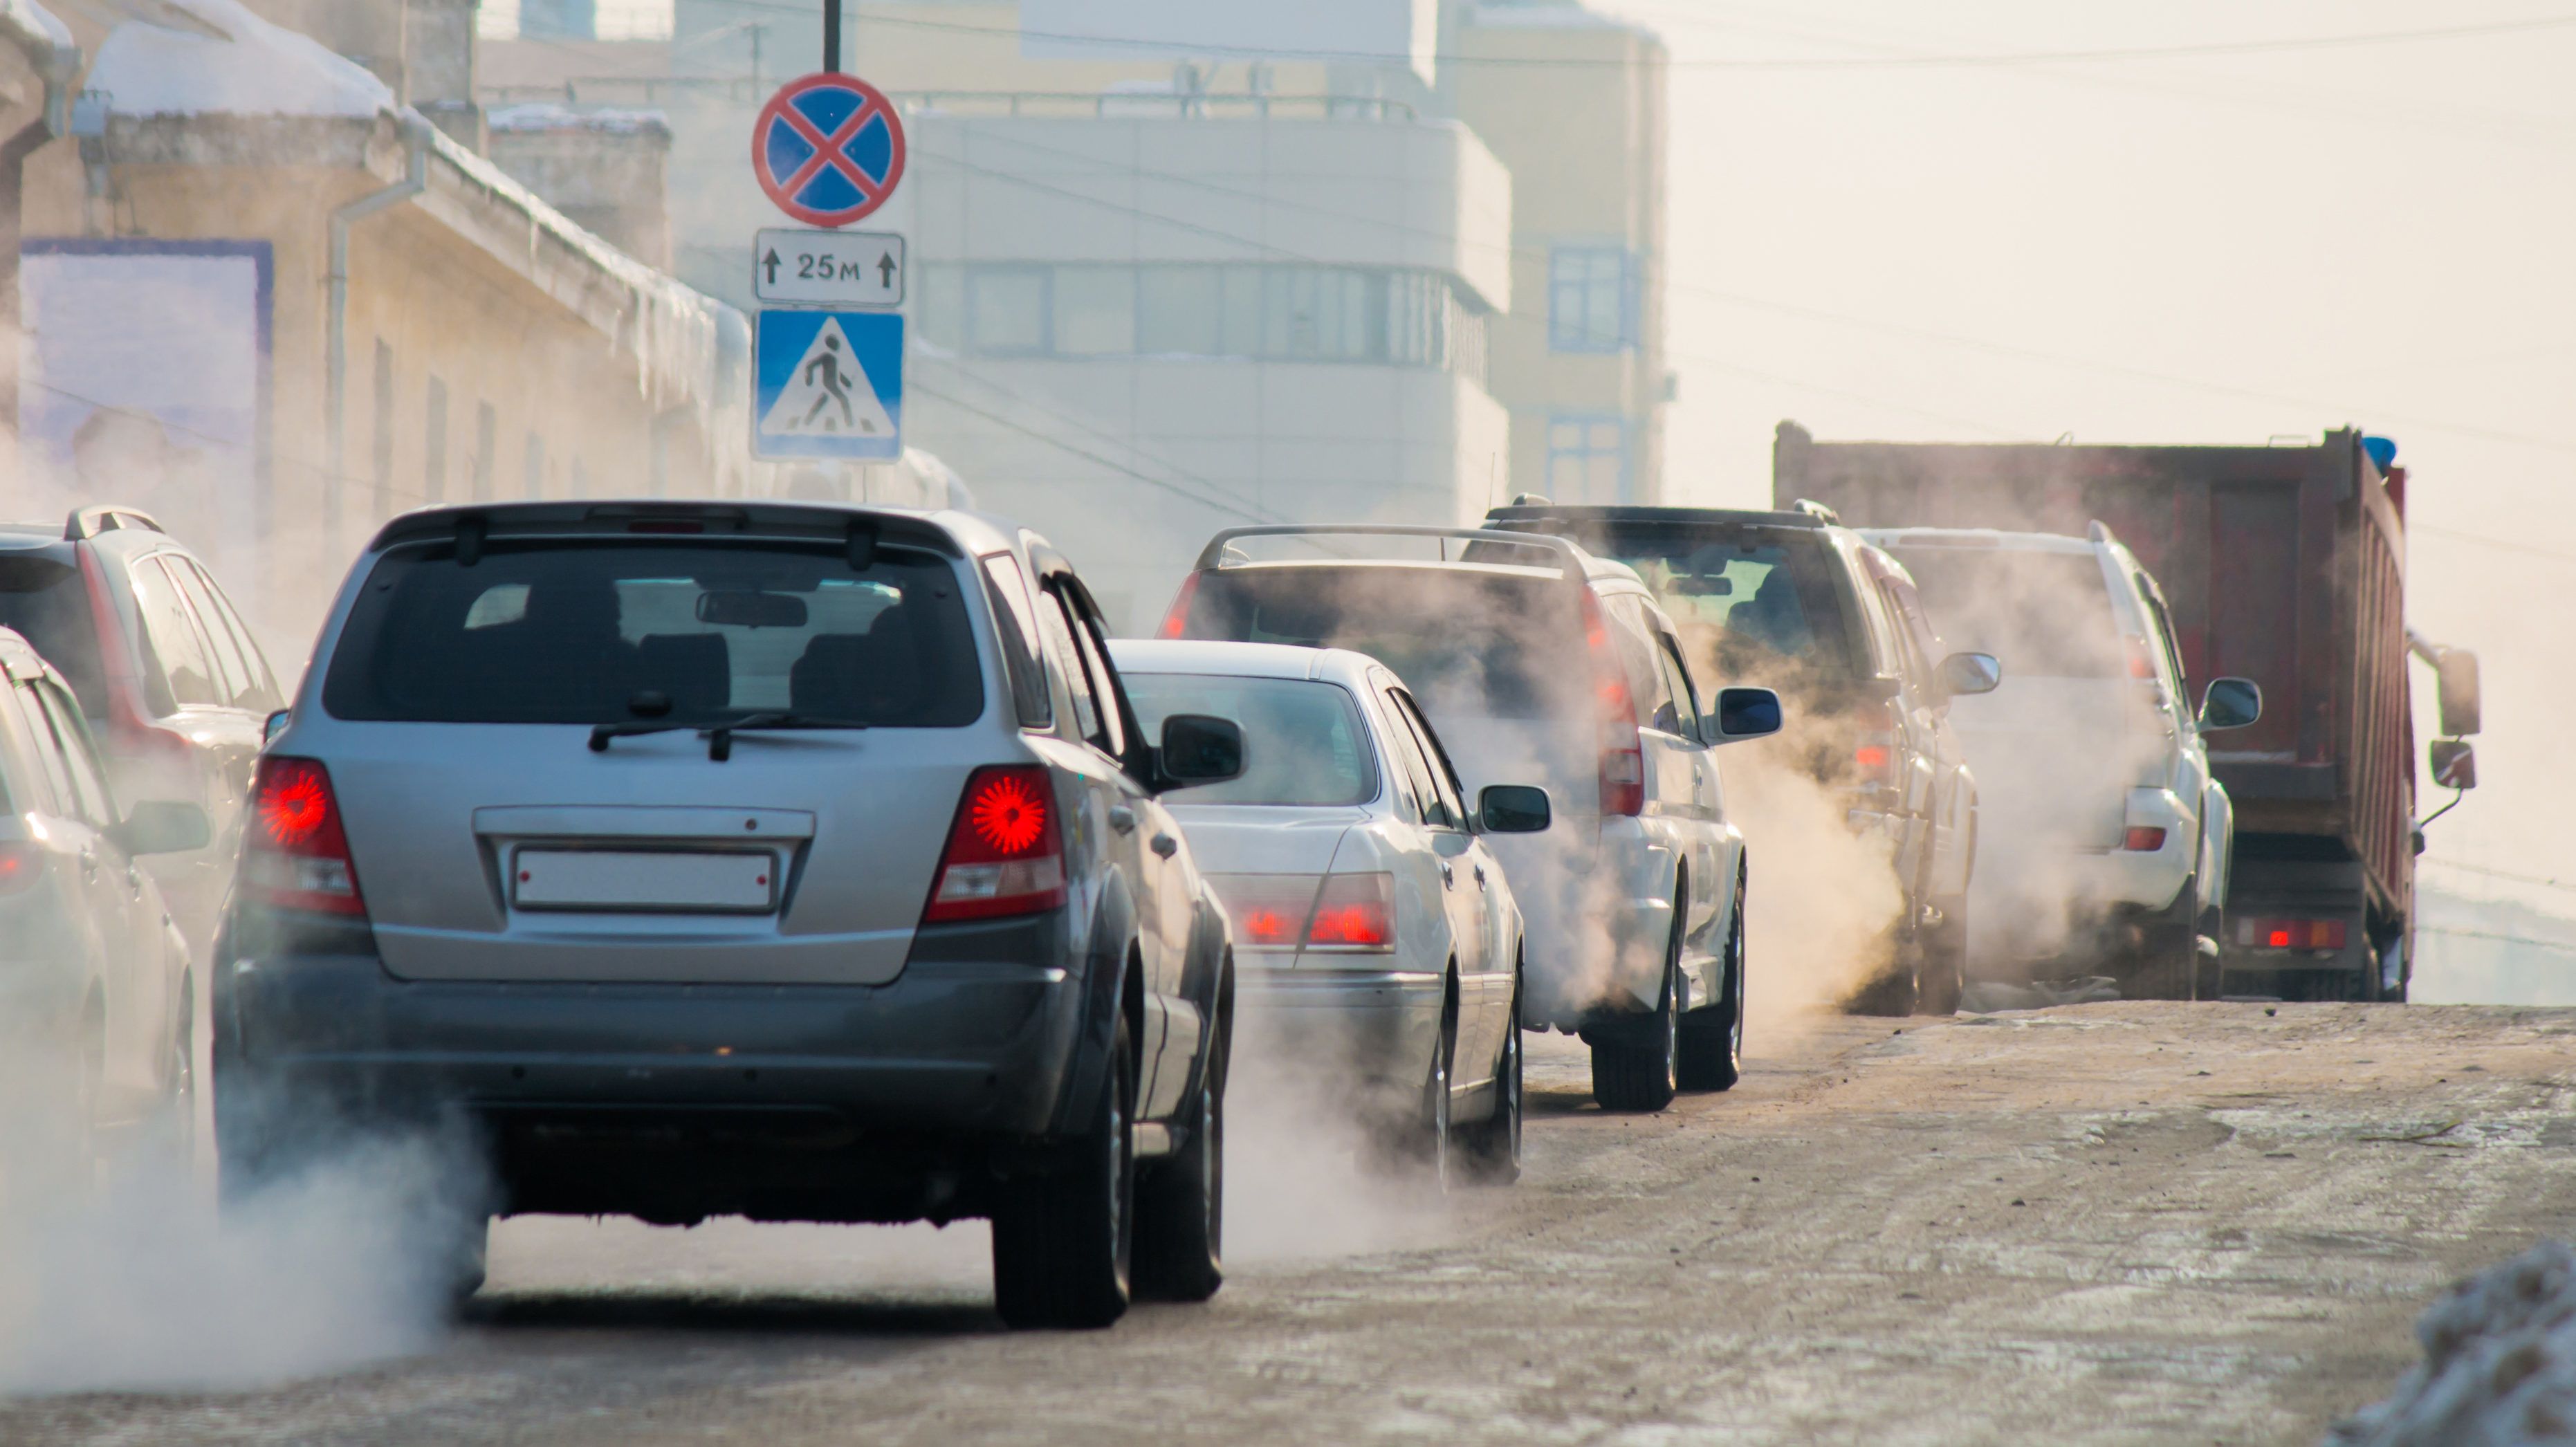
x,y
793,862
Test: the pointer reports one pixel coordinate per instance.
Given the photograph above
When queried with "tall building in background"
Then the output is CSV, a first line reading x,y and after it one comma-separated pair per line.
x,y
559,19
1574,105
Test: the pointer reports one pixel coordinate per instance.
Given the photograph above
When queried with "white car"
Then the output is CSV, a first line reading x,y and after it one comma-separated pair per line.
x,y
1369,915
2103,839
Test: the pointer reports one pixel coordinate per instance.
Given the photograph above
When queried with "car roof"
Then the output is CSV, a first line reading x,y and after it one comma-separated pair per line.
x,y
1668,516
971,533
1241,660
1976,538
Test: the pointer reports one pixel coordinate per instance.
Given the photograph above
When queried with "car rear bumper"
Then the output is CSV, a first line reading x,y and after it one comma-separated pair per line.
x,y
1377,1026
966,1053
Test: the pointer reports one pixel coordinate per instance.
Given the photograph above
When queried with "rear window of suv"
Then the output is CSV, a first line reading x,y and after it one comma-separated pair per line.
x,y
688,632
1746,599
48,603
2042,615
1466,640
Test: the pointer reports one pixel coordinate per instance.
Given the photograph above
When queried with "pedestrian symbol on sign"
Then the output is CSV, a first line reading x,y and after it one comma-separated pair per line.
x,y
828,396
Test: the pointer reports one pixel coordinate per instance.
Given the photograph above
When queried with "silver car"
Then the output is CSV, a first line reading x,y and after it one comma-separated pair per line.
x,y
791,862
1370,918
95,988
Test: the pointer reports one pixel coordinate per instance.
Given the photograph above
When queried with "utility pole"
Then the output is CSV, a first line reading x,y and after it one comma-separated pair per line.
x,y
832,37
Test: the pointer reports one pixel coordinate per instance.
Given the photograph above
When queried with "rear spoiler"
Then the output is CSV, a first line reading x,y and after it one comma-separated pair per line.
x,y
89,522
1568,556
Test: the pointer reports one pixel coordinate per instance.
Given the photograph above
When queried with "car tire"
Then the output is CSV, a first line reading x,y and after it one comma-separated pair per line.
x,y
2167,963
1492,1146
1944,975
464,1253
1433,1147
1180,1204
2209,972
1711,1047
1064,1243
1638,1069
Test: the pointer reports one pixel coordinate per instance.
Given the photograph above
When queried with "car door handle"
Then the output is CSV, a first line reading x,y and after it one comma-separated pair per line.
x,y
89,863
1122,818
1448,876
1480,876
1166,846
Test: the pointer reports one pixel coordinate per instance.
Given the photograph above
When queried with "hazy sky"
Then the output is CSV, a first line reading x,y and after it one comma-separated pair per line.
x,y
2206,248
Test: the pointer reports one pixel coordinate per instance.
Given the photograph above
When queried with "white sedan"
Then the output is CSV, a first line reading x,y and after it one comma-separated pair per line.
x,y
1368,914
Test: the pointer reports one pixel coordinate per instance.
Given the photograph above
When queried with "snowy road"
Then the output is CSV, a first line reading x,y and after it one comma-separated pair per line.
x,y
2111,1223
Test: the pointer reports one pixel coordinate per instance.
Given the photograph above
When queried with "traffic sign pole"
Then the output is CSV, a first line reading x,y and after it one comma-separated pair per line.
x,y
831,37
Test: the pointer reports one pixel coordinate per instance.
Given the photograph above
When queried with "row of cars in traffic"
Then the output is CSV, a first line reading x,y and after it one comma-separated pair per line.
x,y
824,863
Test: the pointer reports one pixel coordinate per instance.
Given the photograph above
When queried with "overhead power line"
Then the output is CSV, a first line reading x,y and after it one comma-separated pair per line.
x,y
2502,874
2478,934
1563,62
1087,455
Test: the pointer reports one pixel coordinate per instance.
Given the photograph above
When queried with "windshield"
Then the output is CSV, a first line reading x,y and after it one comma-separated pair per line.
x,y
679,633
2043,615
1467,642
1757,607
1303,743
48,604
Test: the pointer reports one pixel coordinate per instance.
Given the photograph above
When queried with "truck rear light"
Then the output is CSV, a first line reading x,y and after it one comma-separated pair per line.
x,y
1623,753
1176,623
295,853
2144,839
2291,934
21,865
1354,914
1269,911
1005,853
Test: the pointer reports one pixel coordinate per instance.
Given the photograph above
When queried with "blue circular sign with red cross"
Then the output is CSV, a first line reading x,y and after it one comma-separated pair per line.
x,y
828,149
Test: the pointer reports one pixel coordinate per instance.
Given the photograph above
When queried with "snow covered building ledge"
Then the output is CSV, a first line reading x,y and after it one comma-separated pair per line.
x,y
332,310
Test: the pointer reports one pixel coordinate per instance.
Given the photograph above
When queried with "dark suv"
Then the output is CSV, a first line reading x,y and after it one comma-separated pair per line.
x,y
1793,601
174,687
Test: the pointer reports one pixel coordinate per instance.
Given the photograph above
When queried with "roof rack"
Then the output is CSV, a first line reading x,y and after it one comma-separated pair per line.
x,y
88,522
1818,511
1214,554
2099,532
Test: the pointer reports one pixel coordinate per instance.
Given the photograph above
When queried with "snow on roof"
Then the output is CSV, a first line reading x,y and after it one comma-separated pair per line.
x,y
28,17
550,116
147,69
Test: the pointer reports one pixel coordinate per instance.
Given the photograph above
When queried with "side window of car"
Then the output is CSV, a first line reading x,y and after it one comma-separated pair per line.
x,y
1885,652
1092,637
1007,588
1909,651
1444,778
178,660
234,647
2165,637
88,783
232,674
1066,663
1402,777
1677,681
1414,763
36,778
1632,637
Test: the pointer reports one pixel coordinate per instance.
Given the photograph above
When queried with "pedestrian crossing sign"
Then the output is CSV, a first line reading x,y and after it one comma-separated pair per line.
x,y
828,384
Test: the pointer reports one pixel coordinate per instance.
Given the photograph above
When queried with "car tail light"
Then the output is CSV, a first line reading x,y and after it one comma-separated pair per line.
x,y
2142,665
2144,839
1269,911
1623,754
295,854
21,865
1874,747
2291,934
1354,914
1005,852
1176,623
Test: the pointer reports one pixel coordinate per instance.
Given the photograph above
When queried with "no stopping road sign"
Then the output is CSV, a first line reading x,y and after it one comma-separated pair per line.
x,y
828,149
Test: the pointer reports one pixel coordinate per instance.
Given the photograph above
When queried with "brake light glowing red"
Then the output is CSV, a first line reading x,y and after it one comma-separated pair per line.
x,y
1873,758
2141,663
2144,839
297,852
1176,623
21,865
2291,934
1005,853
1623,753
1355,913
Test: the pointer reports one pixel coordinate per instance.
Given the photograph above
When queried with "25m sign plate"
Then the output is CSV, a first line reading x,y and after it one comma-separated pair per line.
x,y
828,268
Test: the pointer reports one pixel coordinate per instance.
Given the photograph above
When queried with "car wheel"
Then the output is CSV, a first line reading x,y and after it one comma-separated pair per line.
x,y
1639,1068
1063,1243
1438,1128
171,1133
2209,968
1945,960
1711,1054
1493,1145
1180,1206
464,1250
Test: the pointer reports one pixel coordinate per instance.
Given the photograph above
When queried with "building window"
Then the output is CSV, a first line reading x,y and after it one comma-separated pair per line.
x,y
433,448
1587,459
1180,311
1006,311
1095,311
1590,299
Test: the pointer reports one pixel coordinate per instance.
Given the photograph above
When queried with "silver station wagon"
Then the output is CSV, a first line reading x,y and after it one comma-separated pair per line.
x,y
694,859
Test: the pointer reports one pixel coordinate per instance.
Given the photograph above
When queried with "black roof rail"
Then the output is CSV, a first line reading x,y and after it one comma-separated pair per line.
x,y
1568,555
88,522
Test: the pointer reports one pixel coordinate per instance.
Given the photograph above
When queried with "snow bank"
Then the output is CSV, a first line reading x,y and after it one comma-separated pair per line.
x,y
230,63
2499,1363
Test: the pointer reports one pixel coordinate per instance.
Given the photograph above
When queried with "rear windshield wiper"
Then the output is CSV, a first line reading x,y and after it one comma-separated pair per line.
x,y
719,736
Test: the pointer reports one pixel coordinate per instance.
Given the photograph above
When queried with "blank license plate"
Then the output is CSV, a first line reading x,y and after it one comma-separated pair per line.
x,y
598,879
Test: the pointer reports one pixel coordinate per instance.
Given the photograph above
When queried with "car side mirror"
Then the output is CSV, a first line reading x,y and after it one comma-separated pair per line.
x,y
2230,703
2455,763
1745,713
158,826
1964,675
1198,749
2455,678
276,725
1513,809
